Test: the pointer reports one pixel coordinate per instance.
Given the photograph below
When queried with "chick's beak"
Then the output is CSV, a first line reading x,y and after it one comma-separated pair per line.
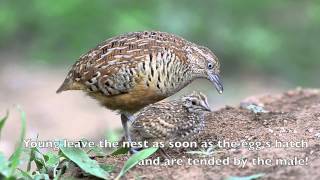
x,y
206,106
215,79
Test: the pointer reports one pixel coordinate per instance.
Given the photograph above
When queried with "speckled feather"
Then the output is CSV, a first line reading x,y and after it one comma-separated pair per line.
x,y
130,71
171,121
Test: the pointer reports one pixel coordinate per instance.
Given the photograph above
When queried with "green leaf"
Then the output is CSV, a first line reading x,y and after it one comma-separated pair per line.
x,y
135,159
4,166
112,136
3,120
51,159
107,167
122,150
38,158
15,158
252,177
41,177
88,165
51,163
25,175
96,151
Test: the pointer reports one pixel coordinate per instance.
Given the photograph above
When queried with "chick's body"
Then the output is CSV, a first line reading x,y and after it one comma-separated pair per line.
x,y
172,121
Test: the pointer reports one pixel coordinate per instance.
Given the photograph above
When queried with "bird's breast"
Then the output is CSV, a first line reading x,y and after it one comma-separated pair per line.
x,y
165,72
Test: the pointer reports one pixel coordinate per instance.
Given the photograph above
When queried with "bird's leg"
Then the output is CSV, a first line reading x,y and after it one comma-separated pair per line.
x,y
131,118
124,120
134,150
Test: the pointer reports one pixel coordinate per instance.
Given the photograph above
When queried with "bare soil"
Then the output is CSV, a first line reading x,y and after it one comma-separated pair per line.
x,y
293,116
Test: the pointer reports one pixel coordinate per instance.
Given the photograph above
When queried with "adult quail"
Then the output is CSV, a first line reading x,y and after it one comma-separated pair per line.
x,y
128,72
168,122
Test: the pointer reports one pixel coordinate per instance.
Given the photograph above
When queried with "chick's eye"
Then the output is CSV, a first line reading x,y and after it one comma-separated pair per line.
x,y
210,65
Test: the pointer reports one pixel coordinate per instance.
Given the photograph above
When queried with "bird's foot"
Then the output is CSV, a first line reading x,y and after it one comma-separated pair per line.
x,y
134,150
164,154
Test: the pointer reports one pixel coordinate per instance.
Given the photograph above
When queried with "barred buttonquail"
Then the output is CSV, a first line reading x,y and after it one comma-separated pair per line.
x,y
128,72
172,121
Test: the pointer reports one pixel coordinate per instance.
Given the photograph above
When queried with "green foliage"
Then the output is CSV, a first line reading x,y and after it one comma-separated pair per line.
x,y
107,167
97,151
263,36
3,121
121,150
252,177
88,165
15,158
47,163
4,166
26,175
135,159
113,135
8,167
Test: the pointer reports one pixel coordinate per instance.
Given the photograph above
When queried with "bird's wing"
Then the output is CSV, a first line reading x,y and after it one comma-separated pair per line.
x,y
190,125
156,120
111,67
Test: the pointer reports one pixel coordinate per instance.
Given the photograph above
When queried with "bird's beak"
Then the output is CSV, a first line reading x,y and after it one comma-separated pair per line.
x,y
206,106
215,79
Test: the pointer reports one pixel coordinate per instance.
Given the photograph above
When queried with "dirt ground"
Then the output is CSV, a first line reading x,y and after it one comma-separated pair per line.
x,y
292,117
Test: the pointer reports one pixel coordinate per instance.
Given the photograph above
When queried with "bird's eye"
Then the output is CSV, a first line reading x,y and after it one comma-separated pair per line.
x,y
210,65
193,103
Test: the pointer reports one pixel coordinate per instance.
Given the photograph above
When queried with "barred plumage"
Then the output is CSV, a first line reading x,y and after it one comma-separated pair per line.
x,y
130,71
172,121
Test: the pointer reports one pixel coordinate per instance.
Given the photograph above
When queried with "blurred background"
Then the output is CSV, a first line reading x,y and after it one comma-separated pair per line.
x,y
264,47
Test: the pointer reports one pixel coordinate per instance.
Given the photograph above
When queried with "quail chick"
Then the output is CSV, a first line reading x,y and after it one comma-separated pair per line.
x,y
164,122
128,72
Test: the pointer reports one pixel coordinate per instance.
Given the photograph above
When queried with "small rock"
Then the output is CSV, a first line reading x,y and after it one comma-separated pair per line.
x,y
256,109
312,151
282,130
310,130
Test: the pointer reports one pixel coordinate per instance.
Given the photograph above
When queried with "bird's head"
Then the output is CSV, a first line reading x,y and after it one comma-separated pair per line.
x,y
196,102
204,64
